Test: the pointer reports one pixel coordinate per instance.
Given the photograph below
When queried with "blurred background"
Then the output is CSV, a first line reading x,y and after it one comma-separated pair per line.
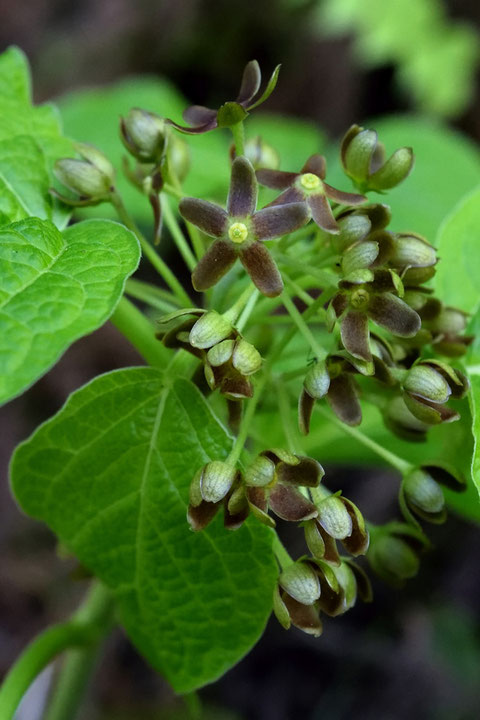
x,y
412,654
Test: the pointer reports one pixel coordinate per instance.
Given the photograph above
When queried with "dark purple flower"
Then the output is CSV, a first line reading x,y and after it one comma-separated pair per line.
x,y
308,186
239,231
202,119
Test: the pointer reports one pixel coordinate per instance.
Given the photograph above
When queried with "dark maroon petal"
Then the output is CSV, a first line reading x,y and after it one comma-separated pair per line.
x,y
339,303
237,387
276,179
308,472
331,551
262,269
218,259
317,165
342,398
279,220
194,130
356,543
355,335
205,215
393,314
199,115
199,517
304,617
322,213
343,198
292,195
289,504
258,497
305,409
251,80
242,196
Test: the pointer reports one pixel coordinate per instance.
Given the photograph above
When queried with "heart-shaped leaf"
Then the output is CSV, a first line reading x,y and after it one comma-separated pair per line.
x,y
110,475
54,288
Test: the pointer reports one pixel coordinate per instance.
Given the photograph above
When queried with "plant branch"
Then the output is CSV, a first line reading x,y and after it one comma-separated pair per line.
x,y
139,331
177,234
85,630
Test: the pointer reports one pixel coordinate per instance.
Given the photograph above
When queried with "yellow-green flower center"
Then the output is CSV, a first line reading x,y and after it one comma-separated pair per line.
x,y
238,232
359,298
310,181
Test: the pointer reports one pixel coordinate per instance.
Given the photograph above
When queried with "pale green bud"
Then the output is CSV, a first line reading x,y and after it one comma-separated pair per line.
x,y
209,330
216,480
246,358
301,582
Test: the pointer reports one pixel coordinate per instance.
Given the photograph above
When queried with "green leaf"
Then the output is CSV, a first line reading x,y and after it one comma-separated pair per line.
x,y
447,166
30,142
110,475
458,243
55,288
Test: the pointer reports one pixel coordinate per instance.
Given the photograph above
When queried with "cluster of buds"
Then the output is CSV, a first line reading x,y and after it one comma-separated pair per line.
x,y
309,587
228,359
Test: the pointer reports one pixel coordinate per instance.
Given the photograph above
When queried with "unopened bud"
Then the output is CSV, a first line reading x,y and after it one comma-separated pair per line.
x,y
209,330
260,473
359,256
317,381
246,358
427,383
220,353
393,171
334,517
178,156
216,480
412,251
394,559
423,492
91,178
301,582
143,134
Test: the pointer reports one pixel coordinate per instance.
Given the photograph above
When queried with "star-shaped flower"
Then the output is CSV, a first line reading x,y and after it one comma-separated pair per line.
x,y
239,231
308,186
202,119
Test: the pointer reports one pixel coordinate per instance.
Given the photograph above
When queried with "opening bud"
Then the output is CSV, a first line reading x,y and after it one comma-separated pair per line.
x,y
91,178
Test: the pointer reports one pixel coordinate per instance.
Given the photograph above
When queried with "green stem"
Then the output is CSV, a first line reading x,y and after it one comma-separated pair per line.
x,y
297,318
300,292
153,296
177,234
252,405
286,418
247,310
160,265
85,630
79,664
326,278
234,311
398,463
139,331
281,553
238,132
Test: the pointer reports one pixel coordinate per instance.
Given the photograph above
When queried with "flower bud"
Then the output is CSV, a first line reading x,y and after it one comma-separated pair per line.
x,y
334,517
178,156
246,358
427,383
359,256
401,421
209,330
91,178
216,480
260,473
301,582
411,250
393,559
317,381
220,353
424,496
143,134
393,171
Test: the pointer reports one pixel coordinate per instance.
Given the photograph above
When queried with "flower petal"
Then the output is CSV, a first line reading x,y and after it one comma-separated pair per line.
x,y
276,179
207,216
322,213
342,398
199,115
304,617
344,198
393,314
242,196
262,269
250,84
292,195
279,220
305,409
217,261
307,473
355,335
199,517
198,130
289,504
317,165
